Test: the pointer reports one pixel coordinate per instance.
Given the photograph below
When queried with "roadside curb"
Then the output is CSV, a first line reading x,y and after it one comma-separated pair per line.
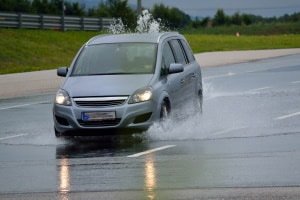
x,y
213,59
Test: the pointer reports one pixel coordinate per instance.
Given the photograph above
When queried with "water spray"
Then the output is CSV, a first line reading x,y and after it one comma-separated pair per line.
x,y
145,24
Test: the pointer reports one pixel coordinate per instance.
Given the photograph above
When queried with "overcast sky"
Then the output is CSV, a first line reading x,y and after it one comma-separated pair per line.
x,y
203,8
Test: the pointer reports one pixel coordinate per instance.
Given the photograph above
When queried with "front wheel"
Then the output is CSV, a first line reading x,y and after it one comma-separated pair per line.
x,y
57,133
164,111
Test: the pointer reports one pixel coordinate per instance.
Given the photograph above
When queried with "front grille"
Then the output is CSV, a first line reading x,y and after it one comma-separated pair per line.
x,y
99,123
100,101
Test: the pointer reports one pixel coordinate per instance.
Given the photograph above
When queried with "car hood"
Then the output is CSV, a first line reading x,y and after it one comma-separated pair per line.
x,y
105,85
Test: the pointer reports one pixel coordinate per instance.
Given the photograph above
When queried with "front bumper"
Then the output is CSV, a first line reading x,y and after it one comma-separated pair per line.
x,y
132,117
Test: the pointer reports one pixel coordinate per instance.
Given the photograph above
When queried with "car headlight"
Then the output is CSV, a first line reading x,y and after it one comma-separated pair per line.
x,y
141,95
63,98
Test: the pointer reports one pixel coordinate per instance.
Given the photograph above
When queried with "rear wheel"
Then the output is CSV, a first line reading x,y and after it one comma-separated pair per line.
x,y
198,102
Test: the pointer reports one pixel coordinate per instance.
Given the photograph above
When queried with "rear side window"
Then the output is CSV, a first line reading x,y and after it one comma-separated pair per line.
x,y
188,51
179,54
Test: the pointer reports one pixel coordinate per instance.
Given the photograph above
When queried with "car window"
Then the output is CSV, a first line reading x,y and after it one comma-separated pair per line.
x,y
179,55
167,59
118,58
188,51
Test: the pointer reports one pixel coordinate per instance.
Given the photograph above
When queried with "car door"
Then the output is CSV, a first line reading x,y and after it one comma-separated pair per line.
x,y
192,69
187,76
172,82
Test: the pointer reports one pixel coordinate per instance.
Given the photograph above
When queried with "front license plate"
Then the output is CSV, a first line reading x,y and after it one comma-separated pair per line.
x,y
98,116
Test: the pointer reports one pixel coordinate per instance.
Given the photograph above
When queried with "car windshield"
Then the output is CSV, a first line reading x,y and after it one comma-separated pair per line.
x,y
118,58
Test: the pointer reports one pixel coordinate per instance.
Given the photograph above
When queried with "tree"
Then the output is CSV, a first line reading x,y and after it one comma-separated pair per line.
x,y
23,6
247,19
7,5
219,18
171,17
236,19
205,21
196,23
74,9
117,9
15,5
103,11
41,7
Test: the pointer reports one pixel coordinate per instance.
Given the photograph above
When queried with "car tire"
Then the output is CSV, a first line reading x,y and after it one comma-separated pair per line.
x,y
57,133
198,103
164,111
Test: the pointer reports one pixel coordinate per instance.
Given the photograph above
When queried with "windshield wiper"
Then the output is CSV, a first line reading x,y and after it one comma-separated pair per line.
x,y
114,73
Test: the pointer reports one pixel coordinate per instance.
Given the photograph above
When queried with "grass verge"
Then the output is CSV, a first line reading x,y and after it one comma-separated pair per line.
x,y
209,43
32,50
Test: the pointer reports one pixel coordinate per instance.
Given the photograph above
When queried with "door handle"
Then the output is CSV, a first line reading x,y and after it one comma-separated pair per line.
x,y
182,81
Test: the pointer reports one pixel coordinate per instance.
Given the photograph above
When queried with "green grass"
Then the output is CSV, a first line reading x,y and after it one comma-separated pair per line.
x,y
32,50
208,43
256,29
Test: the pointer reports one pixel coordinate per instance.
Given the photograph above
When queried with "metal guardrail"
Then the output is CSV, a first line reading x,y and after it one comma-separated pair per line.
x,y
34,21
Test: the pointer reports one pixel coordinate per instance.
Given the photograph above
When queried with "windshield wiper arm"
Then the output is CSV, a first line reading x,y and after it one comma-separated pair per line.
x,y
113,73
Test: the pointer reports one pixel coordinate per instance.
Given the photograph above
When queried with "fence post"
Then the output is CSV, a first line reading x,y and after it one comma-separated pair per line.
x,y
63,23
20,20
82,23
100,23
63,16
42,22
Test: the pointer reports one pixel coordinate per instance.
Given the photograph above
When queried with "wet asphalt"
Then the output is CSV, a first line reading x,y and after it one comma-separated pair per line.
x,y
244,145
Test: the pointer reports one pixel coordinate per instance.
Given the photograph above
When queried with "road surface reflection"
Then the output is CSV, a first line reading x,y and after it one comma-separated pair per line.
x,y
150,177
64,178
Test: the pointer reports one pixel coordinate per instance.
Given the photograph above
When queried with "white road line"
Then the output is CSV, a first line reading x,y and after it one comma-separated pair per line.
x,y
13,136
24,105
229,130
259,70
258,89
287,116
253,71
296,82
150,151
219,76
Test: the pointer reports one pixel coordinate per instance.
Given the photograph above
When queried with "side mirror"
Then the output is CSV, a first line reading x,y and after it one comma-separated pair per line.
x,y
176,68
62,71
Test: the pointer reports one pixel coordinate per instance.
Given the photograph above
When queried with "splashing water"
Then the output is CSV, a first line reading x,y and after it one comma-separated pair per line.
x,y
117,27
145,24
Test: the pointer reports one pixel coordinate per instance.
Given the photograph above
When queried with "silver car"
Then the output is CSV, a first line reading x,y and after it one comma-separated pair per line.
x,y
124,83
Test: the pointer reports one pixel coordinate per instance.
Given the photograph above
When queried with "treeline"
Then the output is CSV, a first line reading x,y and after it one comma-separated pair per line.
x,y
51,7
173,18
221,19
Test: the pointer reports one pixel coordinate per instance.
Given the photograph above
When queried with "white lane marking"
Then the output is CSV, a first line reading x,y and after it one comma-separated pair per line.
x,y
258,89
287,116
209,98
219,76
259,70
296,82
150,151
24,105
253,71
229,130
13,136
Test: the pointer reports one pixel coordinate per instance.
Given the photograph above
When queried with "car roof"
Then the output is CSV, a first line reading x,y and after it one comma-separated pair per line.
x,y
134,37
